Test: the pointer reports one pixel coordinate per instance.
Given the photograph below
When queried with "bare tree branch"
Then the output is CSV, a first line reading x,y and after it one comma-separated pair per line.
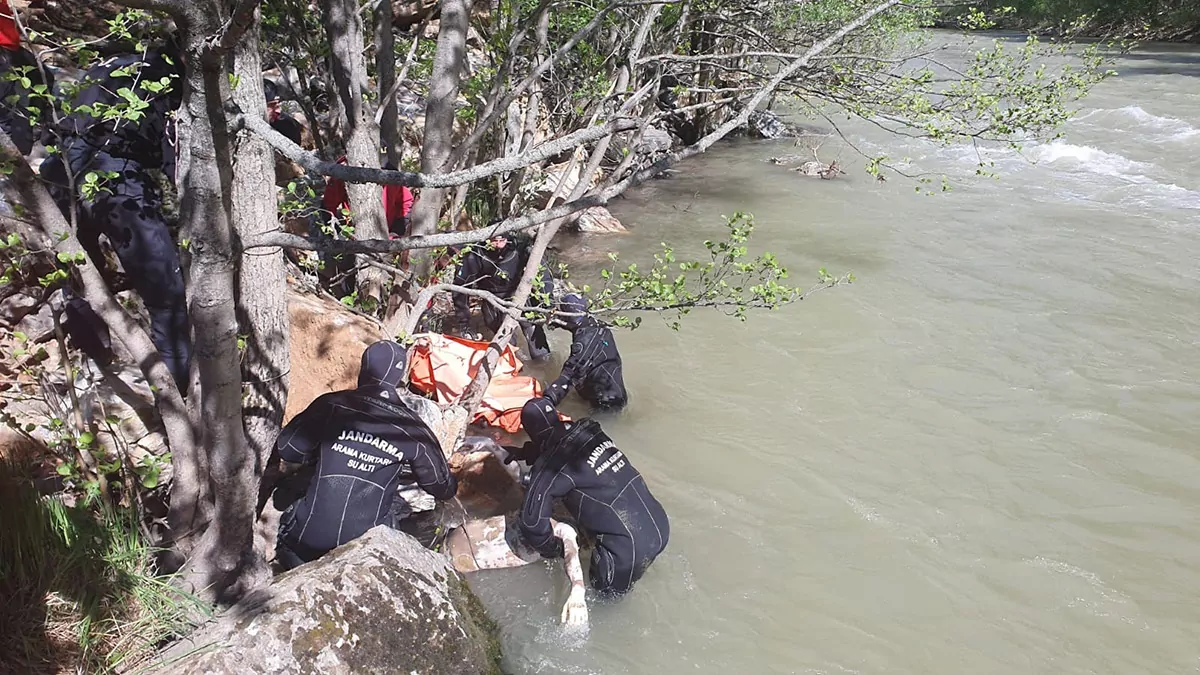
x,y
357,174
485,121
240,21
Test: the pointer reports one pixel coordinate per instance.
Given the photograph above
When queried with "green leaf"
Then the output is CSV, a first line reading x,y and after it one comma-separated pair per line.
x,y
86,439
64,469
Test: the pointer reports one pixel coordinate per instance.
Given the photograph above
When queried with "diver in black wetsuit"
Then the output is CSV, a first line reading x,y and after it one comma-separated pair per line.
x,y
497,269
129,210
359,439
578,463
594,366
20,74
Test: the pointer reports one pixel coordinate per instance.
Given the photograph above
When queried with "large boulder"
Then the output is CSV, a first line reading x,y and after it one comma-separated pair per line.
x,y
327,343
379,604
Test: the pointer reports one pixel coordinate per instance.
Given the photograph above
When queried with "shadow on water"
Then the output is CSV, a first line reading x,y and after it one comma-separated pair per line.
x,y
1182,61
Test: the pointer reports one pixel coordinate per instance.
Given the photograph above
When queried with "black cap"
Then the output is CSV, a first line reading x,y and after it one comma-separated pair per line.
x,y
383,363
538,418
271,90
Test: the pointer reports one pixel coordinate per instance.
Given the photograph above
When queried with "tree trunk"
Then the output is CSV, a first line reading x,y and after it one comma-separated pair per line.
x,y
188,506
262,277
449,62
222,563
345,31
385,69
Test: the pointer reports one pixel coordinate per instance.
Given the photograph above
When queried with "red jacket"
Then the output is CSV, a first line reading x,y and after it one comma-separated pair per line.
x,y
397,201
10,38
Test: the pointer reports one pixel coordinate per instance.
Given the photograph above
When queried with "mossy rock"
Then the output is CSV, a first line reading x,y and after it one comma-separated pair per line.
x,y
380,604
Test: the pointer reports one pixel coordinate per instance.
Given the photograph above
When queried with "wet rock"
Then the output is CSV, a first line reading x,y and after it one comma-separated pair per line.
x,y
379,604
766,124
487,487
598,220
811,168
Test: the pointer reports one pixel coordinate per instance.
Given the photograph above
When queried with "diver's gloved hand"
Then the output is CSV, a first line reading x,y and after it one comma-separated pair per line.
x,y
525,453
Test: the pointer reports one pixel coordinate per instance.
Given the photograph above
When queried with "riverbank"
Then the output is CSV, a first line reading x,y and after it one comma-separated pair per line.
x,y
1188,33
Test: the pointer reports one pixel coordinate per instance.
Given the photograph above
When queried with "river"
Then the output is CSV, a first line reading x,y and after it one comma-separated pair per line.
x,y
981,457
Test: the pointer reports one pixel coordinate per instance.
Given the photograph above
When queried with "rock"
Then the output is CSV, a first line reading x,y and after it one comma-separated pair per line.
x,y
655,140
327,346
766,124
488,487
379,604
598,220
15,308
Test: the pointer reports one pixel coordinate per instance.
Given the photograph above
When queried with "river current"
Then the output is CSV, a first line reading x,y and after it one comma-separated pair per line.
x,y
982,457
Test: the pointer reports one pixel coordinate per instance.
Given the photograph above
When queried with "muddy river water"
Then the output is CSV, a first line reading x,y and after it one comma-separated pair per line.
x,y
983,457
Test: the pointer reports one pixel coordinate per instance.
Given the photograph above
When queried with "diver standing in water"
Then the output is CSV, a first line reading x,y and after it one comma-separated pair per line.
x,y
594,366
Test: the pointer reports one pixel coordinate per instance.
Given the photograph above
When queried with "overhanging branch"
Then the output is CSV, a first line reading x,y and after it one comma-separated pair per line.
x,y
358,174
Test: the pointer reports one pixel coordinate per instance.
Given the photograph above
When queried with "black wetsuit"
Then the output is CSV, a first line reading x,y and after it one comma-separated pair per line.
x,y
499,272
593,368
608,498
15,117
360,440
130,212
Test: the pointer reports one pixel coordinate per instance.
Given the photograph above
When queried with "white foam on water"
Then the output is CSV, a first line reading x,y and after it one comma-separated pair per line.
x,y
1101,600
1091,160
1169,128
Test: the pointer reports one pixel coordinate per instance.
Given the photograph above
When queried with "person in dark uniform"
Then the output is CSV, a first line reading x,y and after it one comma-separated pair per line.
x,y
18,66
129,210
359,439
579,464
497,269
594,366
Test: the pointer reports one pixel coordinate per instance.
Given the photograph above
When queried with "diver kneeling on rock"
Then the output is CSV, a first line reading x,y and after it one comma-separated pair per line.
x,y
359,440
594,366
608,498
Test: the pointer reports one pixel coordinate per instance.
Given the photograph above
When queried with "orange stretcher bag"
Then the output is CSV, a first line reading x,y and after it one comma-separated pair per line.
x,y
443,365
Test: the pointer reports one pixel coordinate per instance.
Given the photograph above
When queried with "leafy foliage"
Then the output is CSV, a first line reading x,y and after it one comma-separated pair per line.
x,y
731,280
78,584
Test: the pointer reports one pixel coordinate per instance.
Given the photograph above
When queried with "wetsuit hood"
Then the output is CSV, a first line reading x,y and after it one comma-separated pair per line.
x,y
539,417
573,303
383,363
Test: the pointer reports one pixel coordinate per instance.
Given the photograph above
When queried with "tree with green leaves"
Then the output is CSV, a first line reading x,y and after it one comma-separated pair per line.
x,y
534,111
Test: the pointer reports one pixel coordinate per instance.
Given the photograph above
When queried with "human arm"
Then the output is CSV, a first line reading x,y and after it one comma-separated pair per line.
x,y
574,611
571,370
536,527
300,440
432,472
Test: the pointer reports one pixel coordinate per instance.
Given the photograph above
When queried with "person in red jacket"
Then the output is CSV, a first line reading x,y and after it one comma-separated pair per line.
x,y
397,202
16,63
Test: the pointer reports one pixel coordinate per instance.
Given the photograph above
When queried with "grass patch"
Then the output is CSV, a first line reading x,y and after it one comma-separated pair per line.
x,y
78,591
